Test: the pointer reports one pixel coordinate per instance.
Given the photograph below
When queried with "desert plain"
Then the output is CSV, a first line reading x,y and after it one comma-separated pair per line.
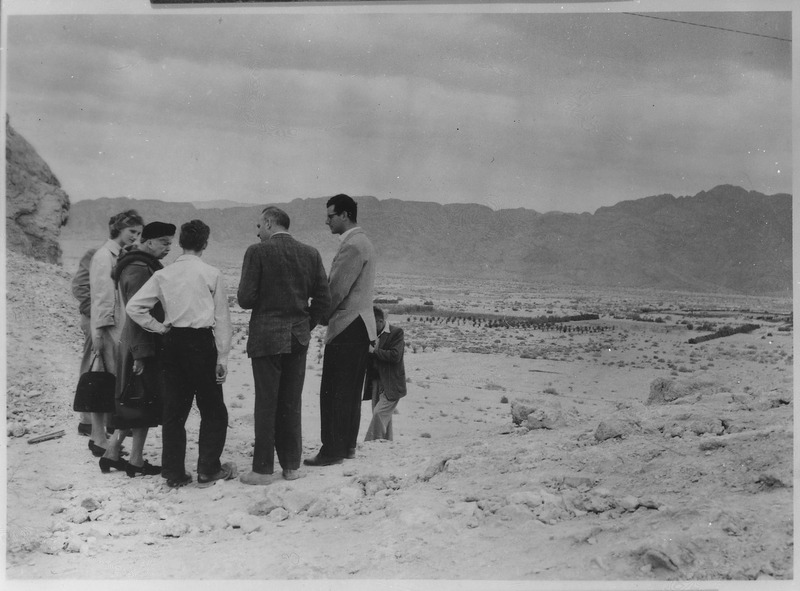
x,y
605,449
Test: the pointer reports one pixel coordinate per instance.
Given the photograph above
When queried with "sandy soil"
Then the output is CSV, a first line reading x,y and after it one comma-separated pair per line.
x,y
593,484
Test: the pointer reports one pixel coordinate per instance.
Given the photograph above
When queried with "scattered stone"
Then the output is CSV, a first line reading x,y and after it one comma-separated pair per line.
x,y
629,503
59,525
649,503
608,430
664,390
520,409
237,519
514,512
53,545
74,545
16,430
597,503
769,481
712,444
172,528
436,465
279,514
59,507
90,504
58,485
551,513
317,508
658,559
76,515
579,482
589,537
98,531
528,498
351,494
464,509
263,507
543,418
296,501
702,426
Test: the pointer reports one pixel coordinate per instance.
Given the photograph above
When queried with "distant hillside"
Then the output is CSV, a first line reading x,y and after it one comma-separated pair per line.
x,y
219,204
724,240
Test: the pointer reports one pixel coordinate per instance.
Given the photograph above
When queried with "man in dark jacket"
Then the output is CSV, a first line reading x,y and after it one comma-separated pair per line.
x,y
385,383
279,277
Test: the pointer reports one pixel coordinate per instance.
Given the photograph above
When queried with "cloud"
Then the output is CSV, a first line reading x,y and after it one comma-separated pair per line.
x,y
533,109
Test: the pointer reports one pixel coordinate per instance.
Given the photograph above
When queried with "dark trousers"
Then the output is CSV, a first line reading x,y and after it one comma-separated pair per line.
x,y
189,364
343,367
279,389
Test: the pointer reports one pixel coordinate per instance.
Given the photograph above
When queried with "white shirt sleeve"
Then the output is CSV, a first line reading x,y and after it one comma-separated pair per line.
x,y
142,302
223,331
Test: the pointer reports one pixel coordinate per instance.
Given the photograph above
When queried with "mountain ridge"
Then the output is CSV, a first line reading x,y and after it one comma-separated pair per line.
x,y
726,239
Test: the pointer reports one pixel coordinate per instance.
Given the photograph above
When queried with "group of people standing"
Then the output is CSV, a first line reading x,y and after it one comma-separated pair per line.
x,y
166,331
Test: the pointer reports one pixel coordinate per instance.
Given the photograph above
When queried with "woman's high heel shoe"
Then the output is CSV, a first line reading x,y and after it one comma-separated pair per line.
x,y
107,463
96,450
146,469
99,452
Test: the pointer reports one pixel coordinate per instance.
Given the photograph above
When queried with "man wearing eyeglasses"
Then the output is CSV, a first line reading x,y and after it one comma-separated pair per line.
x,y
351,329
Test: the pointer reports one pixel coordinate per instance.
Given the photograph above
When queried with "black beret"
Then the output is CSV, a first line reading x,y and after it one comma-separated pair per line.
x,y
157,230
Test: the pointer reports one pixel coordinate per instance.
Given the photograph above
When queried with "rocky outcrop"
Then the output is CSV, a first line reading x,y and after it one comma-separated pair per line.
x,y
36,206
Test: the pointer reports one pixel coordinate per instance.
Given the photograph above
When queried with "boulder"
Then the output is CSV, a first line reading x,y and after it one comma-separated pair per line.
x,y
36,205
665,390
536,414
609,430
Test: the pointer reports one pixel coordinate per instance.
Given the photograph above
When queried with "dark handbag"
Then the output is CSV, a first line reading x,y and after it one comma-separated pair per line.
x,y
131,402
138,398
95,391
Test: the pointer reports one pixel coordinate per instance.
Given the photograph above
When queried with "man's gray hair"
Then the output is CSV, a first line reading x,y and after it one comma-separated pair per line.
x,y
277,215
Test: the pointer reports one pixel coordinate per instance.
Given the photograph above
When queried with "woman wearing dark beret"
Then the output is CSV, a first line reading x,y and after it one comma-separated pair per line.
x,y
138,355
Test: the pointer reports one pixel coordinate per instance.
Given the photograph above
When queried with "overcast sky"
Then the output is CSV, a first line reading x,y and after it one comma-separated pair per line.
x,y
564,112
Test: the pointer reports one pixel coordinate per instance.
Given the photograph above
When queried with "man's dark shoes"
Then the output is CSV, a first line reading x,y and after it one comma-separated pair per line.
x,y
107,463
85,429
146,469
227,471
180,481
320,460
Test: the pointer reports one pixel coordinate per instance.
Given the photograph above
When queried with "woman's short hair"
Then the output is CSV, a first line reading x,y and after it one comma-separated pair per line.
x,y
342,202
126,219
194,235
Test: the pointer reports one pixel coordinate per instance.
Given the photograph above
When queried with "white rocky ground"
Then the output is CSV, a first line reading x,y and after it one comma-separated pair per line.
x,y
593,484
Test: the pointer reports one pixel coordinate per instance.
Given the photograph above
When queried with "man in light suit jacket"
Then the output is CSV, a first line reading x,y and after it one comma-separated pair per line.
x,y
385,383
351,329
279,277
